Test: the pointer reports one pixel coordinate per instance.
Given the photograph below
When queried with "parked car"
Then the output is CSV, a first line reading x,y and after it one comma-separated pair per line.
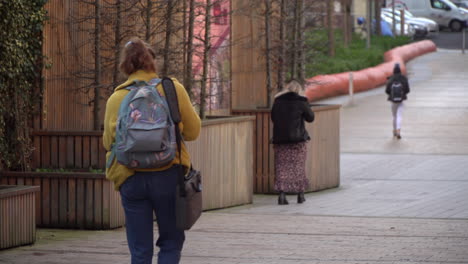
x,y
431,28
409,30
461,3
444,12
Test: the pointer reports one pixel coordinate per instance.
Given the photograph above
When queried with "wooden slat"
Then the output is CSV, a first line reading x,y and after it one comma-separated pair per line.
x,y
86,152
94,152
259,153
63,202
78,152
45,152
54,202
70,154
106,189
71,203
46,203
54,152
36,161
98,204
63,150
80,203
37,182
102,154
89,203
265,148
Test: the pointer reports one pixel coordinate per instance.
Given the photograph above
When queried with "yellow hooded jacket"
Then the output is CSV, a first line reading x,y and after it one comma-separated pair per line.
x,y
190,125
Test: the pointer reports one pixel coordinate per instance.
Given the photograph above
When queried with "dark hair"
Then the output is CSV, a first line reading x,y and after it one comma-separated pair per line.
x,y
137,55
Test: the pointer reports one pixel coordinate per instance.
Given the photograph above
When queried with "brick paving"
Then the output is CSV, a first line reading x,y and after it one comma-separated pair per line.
x,y
399,201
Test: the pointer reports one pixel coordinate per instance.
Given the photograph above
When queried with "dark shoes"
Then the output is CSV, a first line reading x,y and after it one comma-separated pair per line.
x,y
300,198
396,134
282,198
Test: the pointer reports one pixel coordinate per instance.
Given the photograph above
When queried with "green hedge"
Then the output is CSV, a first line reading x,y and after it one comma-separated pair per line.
x,y
21,23
353,58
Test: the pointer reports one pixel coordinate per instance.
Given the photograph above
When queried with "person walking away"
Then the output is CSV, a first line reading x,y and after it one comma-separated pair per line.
x,y
289,113
397,90
147,190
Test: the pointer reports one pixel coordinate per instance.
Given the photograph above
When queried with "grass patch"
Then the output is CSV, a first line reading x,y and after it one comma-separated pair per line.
x,y
355,57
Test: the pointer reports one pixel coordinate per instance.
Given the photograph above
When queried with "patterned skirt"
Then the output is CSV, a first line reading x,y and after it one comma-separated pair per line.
x,y
290,167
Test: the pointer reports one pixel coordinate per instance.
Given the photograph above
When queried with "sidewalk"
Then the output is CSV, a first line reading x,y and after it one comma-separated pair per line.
x,y
399,201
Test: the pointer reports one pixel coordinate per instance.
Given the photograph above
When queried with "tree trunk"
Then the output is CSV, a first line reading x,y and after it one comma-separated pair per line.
x,y
117,40
268,50
378,18
368,23
206,53
167,43
331,33
281,56
300,41
149,7
188,70
97,66
295,40
346,22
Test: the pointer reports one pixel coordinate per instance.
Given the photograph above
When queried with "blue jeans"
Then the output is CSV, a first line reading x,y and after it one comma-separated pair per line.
x,y
143,193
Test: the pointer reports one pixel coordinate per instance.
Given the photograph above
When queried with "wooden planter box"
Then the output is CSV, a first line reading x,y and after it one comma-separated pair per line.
x,y
17,215
224,155
323,150
71,200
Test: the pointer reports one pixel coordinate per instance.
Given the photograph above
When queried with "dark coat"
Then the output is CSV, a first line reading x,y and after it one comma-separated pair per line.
x,y
404,81
288,114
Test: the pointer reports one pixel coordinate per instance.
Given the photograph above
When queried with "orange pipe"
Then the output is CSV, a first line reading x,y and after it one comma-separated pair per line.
x,y
325,86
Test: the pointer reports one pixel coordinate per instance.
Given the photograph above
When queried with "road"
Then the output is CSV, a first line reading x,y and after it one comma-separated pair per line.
x,y
450,40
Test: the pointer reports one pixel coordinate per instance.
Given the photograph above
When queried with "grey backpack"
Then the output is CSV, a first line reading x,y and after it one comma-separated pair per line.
x,y
145,135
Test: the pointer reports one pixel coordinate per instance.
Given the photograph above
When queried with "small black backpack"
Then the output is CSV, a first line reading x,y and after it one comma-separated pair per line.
x,y
396,92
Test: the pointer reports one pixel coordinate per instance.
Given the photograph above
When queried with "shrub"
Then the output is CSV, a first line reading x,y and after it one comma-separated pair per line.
x,y
353,58
21,55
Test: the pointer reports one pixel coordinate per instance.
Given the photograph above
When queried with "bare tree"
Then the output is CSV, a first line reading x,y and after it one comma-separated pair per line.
x,y
378,19
300,41
282,44
206,51
97,66
331,32
169,32
268,50
189,51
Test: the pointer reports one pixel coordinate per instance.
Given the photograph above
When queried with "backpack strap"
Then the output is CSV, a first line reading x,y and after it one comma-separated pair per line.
x,y
173,103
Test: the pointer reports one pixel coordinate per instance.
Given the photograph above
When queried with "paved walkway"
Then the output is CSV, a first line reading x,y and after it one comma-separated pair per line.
x,y
399,201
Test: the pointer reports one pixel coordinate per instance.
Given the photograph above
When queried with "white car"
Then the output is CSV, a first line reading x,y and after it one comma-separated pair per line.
x,y
444,12
431,27
461,3
409,30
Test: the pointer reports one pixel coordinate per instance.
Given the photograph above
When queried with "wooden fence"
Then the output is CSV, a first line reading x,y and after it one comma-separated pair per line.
x,y
323,161
71,200
223,153
17,221
70,150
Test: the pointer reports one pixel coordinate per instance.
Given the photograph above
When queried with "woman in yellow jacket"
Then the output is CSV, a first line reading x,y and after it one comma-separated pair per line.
x,y
146,190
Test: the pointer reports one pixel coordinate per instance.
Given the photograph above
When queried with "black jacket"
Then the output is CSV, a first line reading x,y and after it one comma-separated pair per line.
x,y
404,81
288,114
